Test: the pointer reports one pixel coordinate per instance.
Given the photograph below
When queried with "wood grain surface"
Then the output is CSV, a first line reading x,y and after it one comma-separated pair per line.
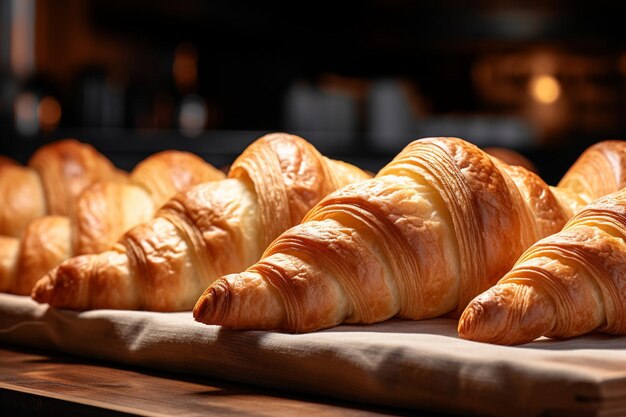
x,y
40,383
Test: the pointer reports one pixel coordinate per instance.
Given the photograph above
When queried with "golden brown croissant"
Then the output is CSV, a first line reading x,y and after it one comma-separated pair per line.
x,y
104,211
6,161
600,170
203,233
565,285
395,245
56,174
511,157
438,225
108,209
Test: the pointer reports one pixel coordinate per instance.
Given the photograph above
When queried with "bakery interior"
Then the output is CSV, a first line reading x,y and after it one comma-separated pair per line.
x,y
544,78
358,80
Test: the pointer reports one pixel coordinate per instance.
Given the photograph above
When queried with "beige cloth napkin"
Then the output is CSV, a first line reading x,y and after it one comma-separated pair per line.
x,y
421,365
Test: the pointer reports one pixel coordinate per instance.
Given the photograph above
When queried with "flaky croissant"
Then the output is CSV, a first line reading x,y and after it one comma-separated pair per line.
x,y
438,225
55,176
599,171
108,209
203,233
103,212
565,285
511,157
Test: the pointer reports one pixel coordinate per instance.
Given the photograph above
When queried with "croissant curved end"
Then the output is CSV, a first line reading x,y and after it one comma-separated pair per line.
x,y
44,288
213,303
507,315
66,285
240,301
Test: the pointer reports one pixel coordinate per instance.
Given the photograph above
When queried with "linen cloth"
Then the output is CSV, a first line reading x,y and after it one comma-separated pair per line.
x,y
419,365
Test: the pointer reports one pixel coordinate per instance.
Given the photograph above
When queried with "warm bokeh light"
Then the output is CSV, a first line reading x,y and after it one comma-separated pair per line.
x,y
193,115
25,109
49,113
185,68
544,89
22,52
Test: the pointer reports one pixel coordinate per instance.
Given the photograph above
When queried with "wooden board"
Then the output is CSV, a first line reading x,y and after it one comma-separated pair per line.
x,y
37,383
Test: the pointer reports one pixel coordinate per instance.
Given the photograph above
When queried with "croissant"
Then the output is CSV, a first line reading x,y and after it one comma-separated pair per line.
x,y
56,174
104,211
108,209
437,226
565,285
210,230
600,170
511,157
6,161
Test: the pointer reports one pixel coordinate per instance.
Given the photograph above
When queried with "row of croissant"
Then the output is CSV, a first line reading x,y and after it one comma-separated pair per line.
x,y
443,229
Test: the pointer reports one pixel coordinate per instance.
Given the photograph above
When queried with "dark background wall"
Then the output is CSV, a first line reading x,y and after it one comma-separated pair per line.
x,y
359,79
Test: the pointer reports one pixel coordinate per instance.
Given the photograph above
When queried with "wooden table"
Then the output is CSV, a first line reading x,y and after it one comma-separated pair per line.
x,y
42,383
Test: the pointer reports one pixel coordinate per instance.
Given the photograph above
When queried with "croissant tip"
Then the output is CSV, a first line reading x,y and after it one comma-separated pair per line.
x,y
201,307
468,323
507,315
42,291
486,319
212,305
202,311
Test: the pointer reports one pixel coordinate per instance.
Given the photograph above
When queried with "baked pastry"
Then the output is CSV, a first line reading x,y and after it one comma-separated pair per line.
x,y
56,174
599,171
203,233
511,157
437,226
104,211
5,161
108,209
565,285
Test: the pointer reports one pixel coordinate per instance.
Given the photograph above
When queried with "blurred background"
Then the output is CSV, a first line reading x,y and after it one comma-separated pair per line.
x,y
358,79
